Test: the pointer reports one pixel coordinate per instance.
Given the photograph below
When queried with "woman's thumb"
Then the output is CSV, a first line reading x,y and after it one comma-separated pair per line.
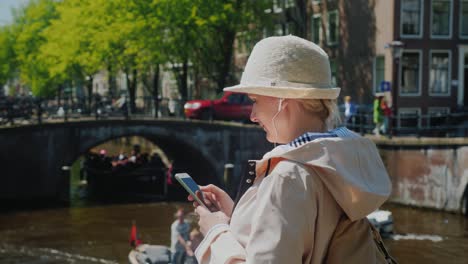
x,y
201,210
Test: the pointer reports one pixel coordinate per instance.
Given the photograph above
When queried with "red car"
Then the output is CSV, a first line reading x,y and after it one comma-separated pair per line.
x,y
232,106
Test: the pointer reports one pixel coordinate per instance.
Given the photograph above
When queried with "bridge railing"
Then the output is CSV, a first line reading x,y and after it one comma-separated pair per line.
x,y
413,124
29,110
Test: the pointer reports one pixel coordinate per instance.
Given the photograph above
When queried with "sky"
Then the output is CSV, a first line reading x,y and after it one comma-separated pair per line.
x,y
6,17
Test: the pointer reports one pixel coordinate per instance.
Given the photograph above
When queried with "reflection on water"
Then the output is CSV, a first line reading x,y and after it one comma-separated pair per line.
x,y
426,236
410,236
82,235
99,234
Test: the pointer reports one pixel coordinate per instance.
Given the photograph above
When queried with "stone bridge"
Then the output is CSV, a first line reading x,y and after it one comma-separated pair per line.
x,y
32,157
427,172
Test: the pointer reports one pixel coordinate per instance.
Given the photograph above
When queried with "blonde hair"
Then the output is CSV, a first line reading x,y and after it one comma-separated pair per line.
x,y
325,109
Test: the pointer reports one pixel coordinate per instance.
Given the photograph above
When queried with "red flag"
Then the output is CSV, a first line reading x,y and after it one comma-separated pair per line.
x,y
134,241
169,175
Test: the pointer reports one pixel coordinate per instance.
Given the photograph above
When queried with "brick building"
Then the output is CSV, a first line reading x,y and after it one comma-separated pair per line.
x,y
419,48
430,76
345,31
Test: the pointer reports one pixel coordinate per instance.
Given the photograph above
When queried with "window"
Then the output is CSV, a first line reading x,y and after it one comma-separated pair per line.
x,y
290,28
437,116
438,111
316,29
332,36
409,118
441,18
278,31
267,32
289,3
439,75
379,72
410,73
464,18
277,6
411,18
333,71
235,99
274,30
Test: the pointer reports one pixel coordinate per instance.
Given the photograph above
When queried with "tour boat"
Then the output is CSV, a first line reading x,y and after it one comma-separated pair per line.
x,y
382,221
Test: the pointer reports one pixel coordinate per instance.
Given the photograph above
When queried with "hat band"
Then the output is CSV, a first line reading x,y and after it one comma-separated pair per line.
x,y
267,82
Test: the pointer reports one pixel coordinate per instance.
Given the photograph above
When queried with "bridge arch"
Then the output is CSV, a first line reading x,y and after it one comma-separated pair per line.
x,y
188,155
203,148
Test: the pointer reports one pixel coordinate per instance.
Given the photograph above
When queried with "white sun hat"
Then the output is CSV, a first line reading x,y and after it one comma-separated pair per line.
x,y
287,67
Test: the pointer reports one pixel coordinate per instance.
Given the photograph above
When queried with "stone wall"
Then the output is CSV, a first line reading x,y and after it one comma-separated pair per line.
x,y
429,173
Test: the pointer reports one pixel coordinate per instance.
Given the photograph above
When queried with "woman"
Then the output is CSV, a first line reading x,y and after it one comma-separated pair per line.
x,y
378,113
306,201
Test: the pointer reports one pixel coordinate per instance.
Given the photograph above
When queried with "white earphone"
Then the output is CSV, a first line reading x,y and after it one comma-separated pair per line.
x,y
280,104
280,107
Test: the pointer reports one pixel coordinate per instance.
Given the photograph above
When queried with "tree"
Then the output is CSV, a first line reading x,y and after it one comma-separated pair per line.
x,y
7,55
139,51
71,49
67,41
202,33
28,24
220,22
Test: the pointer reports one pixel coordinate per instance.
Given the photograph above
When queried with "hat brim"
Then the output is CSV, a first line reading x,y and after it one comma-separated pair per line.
x,y
287,92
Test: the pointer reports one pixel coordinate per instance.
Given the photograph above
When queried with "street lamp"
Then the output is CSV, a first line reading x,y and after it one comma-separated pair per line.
x,y
396,47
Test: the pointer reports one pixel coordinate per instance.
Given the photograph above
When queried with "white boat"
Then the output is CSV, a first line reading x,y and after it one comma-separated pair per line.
x,y
150,254
382,220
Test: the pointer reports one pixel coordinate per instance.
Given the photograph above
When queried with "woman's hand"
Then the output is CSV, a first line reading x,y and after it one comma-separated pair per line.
x,y
216,199
209,219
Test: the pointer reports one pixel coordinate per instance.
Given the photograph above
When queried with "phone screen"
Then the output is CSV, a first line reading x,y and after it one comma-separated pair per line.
x,y
191,184
192,187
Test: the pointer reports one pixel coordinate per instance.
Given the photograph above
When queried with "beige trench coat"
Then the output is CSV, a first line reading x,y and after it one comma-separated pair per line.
x,y
311,208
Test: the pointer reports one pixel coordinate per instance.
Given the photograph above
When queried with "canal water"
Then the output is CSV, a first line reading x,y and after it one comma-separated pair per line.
x,y
100,234
93,232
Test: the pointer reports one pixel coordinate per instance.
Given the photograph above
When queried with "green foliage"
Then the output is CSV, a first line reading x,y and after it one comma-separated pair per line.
x,y
72,47
30,21
203,32
214,26
54,42
7,55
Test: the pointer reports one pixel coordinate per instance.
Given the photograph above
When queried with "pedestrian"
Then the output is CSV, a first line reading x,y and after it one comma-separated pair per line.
x,y
386,113
121,104
306,200
180,229
377,114
350,110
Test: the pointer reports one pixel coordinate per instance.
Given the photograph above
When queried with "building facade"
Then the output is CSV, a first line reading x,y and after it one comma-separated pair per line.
x,y
430,73
346,31
417,49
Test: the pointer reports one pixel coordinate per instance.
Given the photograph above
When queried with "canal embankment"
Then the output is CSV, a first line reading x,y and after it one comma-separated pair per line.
x,y
427,172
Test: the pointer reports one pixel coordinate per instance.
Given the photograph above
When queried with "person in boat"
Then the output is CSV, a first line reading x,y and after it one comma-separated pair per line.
x,y
306,200
180,230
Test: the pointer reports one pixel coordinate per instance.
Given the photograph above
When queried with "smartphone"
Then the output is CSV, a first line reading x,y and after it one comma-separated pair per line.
x,y
192,187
